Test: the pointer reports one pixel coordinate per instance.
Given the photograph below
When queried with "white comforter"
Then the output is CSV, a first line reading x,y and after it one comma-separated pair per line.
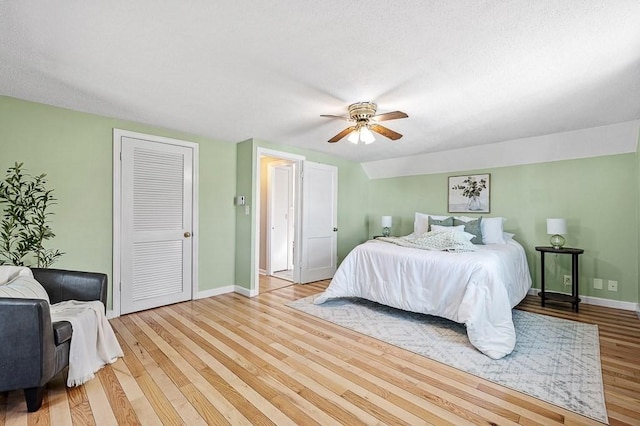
x,y
477,289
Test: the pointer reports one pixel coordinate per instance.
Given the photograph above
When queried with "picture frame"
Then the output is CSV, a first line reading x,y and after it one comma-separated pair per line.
x,y
469,193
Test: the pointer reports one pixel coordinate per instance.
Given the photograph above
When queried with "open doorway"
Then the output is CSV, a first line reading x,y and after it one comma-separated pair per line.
x,y
277,222
312,253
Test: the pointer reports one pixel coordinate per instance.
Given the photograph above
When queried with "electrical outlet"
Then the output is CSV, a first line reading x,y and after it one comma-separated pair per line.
x,y
612,285
597,283
567,280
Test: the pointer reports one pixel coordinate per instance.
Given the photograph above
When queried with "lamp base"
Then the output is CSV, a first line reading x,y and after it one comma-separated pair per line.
x,y
557,241
386,232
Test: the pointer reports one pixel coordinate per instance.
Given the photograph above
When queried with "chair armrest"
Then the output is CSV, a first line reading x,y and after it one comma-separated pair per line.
x,y
64,285
27,348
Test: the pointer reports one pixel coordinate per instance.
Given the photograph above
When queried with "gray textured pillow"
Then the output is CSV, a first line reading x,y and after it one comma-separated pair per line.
x,y
444,222
473,227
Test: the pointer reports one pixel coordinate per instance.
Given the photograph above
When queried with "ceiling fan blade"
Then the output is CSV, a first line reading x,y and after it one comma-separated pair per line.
x,y
393,115
385,132
341,117
342,134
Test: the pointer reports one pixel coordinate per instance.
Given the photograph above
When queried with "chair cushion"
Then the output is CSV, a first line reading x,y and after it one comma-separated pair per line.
x,y
62,331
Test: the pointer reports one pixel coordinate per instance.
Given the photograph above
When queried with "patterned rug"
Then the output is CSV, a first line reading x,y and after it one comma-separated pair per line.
x,y
555,360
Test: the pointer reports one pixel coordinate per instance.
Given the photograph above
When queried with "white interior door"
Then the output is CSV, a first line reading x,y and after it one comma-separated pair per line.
x,y
156,224
281,203
319,222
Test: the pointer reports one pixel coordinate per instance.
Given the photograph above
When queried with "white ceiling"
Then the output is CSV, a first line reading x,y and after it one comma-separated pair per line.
x,y
467,72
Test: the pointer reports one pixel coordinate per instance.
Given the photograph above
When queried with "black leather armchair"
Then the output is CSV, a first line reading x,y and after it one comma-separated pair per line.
x,y
33,350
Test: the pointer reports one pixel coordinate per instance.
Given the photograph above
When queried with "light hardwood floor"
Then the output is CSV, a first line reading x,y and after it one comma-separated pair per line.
x,y
269,283
233,360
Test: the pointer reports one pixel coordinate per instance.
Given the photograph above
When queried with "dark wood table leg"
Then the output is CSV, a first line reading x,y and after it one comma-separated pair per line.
x,y
542,277
574,274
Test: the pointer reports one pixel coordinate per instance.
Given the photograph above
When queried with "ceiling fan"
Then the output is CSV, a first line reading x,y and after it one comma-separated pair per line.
x,y
363,115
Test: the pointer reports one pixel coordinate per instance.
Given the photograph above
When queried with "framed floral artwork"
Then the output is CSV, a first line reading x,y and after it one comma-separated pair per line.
x,y
469,193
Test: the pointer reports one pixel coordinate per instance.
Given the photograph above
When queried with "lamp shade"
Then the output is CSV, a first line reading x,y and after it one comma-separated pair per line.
x,y
556,226
386,221
366,136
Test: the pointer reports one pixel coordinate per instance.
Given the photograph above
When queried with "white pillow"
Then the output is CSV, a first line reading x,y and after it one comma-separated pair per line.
x,y
467,218
7,273
421,222
492,230
458,229
440,228
24,287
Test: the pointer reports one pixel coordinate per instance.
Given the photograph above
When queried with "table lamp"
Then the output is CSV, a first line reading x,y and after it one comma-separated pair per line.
x,y
556,227
386,225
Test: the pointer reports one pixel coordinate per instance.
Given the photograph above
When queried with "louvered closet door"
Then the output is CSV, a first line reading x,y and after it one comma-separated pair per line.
x,y
156,224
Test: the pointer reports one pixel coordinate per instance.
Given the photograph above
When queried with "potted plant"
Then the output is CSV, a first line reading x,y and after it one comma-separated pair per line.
x,y
25,219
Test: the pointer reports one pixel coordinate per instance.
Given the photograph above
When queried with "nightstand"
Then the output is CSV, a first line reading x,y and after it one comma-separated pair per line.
x,y
573,298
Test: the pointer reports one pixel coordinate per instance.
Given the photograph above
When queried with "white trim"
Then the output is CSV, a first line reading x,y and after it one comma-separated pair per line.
x,y
111,314
271,169
117,220
118,134
215,292
599,301
297,159
262,271
619,138
608,303
245,292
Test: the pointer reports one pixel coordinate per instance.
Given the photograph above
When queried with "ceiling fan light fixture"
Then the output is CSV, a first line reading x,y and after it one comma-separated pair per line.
x,y
366,136
354,137
365,121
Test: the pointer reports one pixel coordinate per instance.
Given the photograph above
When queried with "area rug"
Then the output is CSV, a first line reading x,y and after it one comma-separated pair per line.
x,y
555,360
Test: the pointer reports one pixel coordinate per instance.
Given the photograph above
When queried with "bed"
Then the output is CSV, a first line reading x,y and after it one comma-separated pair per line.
x,y
477,288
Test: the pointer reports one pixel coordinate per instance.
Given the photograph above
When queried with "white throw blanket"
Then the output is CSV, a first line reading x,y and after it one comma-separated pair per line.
x,y
93,344
441,241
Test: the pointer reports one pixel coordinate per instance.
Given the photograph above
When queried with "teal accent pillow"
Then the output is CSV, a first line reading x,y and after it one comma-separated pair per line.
x,y
444,222
473,227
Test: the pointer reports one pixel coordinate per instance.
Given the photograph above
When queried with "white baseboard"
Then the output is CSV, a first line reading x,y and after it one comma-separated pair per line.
x,y
245,291
214,292
599,301
111,314
228,289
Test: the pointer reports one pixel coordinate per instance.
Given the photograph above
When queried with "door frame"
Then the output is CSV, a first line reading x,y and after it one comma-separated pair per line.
x,y
118,134
270,197
297,159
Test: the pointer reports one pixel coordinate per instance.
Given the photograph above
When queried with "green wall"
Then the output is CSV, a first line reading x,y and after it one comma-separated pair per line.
x,y
75,150
600,197
352,201
597,196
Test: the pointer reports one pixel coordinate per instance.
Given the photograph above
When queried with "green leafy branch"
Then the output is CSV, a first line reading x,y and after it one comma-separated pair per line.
x,y
470,187
25,221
